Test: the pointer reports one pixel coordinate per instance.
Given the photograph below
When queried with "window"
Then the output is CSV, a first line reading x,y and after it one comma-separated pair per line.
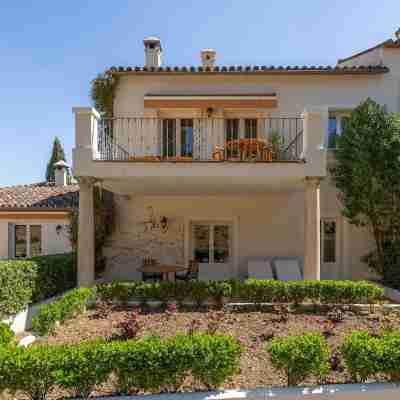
x,y
332,132
28,241
250,128
187,137
232,135
21,247
168,146
328,241
36,240
211,243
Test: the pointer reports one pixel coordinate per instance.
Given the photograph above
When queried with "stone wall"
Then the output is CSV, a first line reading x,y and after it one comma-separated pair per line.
x,y
133,240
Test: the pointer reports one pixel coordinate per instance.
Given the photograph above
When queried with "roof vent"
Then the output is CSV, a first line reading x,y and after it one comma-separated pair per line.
x,y
152,51
397,34
208,57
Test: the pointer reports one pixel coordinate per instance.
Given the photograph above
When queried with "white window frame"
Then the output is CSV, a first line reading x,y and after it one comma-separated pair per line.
x,y
234,241
337,252
338,115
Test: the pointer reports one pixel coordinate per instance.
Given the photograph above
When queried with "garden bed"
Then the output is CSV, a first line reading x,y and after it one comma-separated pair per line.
x,y
252,329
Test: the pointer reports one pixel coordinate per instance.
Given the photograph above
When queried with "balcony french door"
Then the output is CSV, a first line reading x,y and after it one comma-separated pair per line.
x,y
177,138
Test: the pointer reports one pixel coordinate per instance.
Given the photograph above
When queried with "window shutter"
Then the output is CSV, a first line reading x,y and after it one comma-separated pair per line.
x,y
11,240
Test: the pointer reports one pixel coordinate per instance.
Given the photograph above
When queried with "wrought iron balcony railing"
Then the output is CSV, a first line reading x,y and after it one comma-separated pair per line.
x,y
200,139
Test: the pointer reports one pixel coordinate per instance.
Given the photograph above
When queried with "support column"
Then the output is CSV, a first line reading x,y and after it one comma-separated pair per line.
x,y
312,217
86,234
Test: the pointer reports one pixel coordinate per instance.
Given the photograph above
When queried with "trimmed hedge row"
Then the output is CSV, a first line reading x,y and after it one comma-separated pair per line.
x,y
366,356
68,306
254,290
27,281
149,364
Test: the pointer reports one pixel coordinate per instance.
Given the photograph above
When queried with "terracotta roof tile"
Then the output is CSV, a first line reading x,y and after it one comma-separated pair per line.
x,y
39,195
255,69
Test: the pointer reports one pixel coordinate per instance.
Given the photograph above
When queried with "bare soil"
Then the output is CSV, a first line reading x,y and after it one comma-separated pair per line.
x,y
252,329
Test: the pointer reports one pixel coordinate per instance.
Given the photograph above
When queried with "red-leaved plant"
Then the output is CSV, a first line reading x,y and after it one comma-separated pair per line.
x,y
131,327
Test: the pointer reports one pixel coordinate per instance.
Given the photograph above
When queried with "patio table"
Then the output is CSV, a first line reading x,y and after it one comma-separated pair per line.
x,y
167,271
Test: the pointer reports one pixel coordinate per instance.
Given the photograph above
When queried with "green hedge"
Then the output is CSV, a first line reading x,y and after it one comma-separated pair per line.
x,y
55,274
16,286
6,334
68,306
300,356
149,364
366,356
29,281
255,290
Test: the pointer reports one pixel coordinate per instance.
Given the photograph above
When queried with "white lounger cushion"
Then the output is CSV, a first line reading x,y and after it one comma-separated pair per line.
x,y
260,269
215,272
288,270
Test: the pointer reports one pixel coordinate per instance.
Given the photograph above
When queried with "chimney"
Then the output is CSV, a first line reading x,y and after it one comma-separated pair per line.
x,y
397,34
208,57
152,51
60,173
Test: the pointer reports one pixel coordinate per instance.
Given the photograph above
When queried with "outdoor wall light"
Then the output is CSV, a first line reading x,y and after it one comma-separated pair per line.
x,y
209,111
59,229
164,224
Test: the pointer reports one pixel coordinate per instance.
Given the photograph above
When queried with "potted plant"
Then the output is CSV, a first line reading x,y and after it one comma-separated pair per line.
x,y
276,140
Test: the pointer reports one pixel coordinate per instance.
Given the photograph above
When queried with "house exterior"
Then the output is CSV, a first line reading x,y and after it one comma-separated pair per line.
x,y
226,164
34,218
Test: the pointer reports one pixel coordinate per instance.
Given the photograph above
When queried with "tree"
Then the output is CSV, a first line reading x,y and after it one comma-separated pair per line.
x,y
57,154
102,93
367,175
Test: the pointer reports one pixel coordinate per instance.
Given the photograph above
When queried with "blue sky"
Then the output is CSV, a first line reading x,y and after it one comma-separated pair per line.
x,y
51,50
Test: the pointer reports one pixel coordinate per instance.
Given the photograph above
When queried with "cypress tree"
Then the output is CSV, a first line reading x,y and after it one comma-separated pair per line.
x,y
57,154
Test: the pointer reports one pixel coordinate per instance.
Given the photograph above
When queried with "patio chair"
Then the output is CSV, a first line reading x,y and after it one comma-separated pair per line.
x,y
287,269
260,269
192,273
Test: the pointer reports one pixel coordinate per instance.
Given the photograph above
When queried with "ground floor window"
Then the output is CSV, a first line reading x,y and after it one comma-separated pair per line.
x,y
328,240
211,242
28,241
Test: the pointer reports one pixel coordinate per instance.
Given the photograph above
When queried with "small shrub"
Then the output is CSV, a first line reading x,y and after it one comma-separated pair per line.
x,y
68,306
214,322
198,292
219,290
300,356
44,322
214,358
30,370
362,355
6,334
83,366
131,327
147,364
16,285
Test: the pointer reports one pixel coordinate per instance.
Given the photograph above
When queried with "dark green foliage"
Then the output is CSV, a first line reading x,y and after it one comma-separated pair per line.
x,y
367,175
6,334
55,274
29,281
255,290
82,367
366,355
102,93
17,279
30,370
71,304
214,358
57,154
300,356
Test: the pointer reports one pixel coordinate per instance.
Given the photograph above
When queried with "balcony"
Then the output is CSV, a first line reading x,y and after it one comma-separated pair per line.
x,y
200,155
141,139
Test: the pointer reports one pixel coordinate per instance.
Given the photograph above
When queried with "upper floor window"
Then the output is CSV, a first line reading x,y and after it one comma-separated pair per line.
x,y
168,140
187,137
250,128
336,125
177,138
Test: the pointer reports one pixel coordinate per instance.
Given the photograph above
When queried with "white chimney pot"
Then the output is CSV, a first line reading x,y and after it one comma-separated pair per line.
x,y
60,173
152,51
208,57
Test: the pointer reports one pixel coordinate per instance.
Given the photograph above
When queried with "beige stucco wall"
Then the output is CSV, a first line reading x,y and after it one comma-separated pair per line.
x,y
52,243
268,225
